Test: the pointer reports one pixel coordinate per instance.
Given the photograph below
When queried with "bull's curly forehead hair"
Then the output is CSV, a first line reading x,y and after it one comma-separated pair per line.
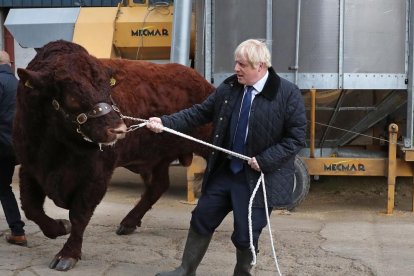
x,y
254,51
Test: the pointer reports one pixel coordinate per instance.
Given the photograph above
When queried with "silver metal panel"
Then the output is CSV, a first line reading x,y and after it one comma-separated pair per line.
x,y
284,34
330,80
374,36
314,80
319,28
409,139
234,22
374,40
33,28
305,80
200,36
180,45
374,81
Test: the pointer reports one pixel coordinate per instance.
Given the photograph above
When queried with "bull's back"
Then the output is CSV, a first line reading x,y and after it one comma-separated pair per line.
x,y
144,90
156,89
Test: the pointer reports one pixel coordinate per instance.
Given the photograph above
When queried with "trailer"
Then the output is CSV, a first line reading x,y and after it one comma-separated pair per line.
x,y
352,60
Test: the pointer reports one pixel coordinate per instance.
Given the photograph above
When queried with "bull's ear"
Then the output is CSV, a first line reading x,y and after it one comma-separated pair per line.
x,y
32,79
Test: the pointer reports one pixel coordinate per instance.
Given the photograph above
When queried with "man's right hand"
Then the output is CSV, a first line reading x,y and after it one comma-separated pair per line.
x,y
155,124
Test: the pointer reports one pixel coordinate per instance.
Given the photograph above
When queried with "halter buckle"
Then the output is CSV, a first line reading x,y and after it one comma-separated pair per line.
x,y
55,105
81,118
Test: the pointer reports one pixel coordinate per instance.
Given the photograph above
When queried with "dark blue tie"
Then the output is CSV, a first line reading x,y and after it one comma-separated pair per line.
x,y
236,164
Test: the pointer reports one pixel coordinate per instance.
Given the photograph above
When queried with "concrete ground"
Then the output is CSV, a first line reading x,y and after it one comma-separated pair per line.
x,y
340,229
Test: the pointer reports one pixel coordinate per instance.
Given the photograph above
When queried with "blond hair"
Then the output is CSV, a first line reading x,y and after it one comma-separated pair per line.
x,y
254,51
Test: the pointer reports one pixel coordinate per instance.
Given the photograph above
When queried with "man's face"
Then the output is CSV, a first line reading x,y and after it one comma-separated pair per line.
x,y
246,74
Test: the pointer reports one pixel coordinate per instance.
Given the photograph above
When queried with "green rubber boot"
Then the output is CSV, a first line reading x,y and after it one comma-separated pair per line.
x,y
195,248
243,265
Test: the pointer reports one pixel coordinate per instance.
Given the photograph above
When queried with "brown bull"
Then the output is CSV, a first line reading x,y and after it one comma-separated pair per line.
x,y
65,114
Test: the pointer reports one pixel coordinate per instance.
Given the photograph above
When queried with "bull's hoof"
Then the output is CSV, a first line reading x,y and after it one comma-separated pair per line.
x,y
62,264
124,230
66,224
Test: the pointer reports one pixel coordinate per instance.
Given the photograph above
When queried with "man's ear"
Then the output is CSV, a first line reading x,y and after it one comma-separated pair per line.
x,y
32,79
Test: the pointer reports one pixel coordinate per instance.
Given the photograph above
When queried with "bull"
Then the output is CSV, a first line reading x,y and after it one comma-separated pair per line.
x,y
69,135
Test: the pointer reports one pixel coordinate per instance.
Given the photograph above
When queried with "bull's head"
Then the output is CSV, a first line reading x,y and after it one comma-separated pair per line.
x,y
77,89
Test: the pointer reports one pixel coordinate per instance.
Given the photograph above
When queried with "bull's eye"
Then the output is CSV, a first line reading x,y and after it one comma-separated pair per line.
x,y
81,118
72,102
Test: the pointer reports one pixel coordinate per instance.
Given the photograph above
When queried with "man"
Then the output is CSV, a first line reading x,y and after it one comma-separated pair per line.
x,y
8,87
271,110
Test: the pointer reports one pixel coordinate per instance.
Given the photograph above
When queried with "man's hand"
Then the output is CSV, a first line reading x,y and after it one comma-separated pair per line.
x,y
253,164
155,124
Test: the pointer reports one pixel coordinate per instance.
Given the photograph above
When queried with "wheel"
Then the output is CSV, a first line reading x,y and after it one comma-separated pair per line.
x,y
301,184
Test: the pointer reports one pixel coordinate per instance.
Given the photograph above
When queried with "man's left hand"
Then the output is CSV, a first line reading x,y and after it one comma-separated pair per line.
x,y
254,165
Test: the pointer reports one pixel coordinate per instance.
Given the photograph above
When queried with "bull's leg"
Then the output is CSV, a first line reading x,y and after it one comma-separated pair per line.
x,y
32,199
146,177
80,213
153,191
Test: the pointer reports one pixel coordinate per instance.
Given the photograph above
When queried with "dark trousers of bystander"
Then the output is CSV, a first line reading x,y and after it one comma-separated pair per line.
x,y
7,198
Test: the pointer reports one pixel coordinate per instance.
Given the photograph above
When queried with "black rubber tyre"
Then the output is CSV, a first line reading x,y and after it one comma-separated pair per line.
x,y
302,184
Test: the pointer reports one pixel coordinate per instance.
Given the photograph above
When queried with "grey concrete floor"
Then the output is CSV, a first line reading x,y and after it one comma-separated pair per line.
x,y
340,229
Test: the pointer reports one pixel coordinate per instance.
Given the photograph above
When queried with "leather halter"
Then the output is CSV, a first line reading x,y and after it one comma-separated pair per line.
x,y
98,110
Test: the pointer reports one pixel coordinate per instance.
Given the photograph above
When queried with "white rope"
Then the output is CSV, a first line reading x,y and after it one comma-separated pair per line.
x,y
249,217
134,127
260,180
252,248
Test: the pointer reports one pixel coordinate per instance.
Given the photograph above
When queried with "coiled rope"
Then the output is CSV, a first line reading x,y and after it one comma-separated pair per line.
x,y
235,154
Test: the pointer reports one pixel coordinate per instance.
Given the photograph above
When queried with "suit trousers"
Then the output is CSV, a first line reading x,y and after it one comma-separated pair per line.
x,y
7,198
226,192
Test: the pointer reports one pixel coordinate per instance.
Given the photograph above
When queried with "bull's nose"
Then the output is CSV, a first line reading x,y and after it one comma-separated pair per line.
x,y
118,131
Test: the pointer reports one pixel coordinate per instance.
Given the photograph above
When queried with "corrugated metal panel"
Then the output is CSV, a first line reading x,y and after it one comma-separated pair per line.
x,y
58,3
370,52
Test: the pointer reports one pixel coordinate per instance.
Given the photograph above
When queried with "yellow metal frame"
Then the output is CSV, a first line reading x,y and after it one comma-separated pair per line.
x,y
132,4
94,30
197,167
390,167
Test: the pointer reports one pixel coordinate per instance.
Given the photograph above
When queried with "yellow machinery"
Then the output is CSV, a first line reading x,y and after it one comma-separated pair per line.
x,y
392,166
136,31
